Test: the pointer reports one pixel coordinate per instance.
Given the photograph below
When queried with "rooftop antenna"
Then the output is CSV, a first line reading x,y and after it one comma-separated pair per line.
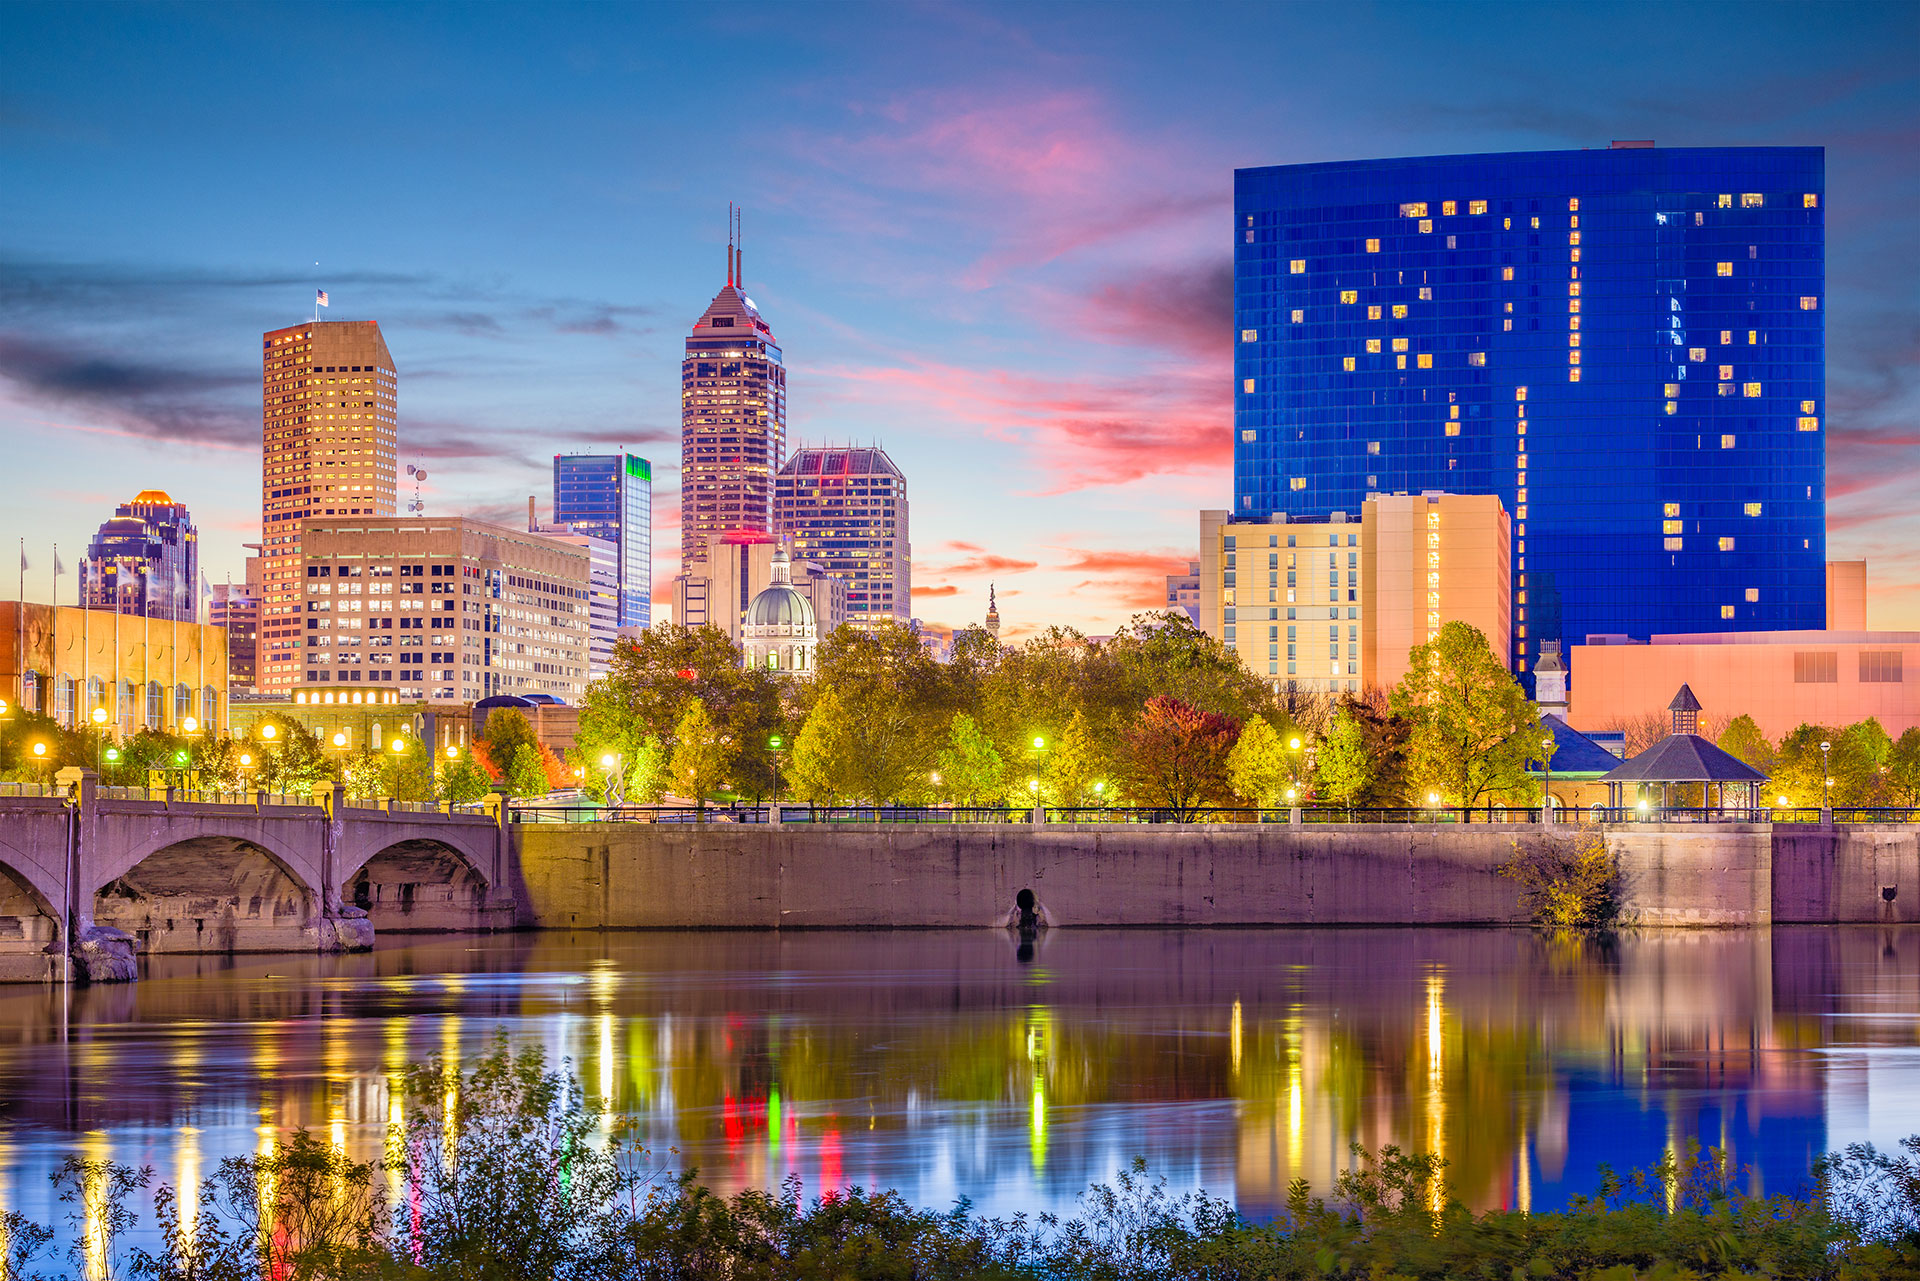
x,y
729,242
418,474
740,254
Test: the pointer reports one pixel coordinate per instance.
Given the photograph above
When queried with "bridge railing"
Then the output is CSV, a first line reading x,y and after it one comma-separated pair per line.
x,y
32,789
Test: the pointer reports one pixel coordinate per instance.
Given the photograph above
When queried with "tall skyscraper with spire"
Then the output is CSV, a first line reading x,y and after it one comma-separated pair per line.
x,y
328,440
733,418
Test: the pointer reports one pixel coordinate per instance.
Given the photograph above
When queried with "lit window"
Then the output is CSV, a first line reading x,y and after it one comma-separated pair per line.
x,y
1696,354
1426,226
1298,315
1673,406
1425,360
1673,389
1806,406
1753,595
1399,362
1373,246
1536,224
1247,435
1752,509
1670,509
1726,371
1373,447
1726,544
1726,611
1506,325
1349,295
1426,293
1671,527
1573,255
1520,393
1750,200
1506,224
1399,311
1573,237
1753,337
1723,269
1247,386
1573,336
1522,462
1726,442
1573,290
1750,390
1346,362
1298,266
1414,209
1726,337
1573,205
1373,344
1809,424
1449,207
1725,202
1296,482
1573,375
1726,389
1506,273
1671,544
1809,303
1249,335
1477,359
1810,201
1453,429
1476,206
1400,344
1573,358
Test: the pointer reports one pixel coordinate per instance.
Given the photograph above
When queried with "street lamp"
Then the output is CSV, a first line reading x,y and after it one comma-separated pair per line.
x,y
1826,778
40,758
99,737
1546,766
269,731
188,728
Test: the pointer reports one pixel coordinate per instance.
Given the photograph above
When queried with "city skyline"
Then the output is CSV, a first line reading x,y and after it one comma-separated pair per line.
x,y
1009,265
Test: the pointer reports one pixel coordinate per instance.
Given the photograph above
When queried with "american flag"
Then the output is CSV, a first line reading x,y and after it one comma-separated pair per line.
x,y
321,299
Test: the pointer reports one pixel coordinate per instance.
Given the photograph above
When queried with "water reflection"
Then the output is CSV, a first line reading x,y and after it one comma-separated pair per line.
x,y
941,1064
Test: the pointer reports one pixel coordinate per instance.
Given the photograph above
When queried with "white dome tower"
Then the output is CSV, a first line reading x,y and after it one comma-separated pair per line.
x,y
779,631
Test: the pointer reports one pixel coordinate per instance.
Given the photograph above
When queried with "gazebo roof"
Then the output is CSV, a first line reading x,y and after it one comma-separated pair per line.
x,y
1574,754
1684,758
1684,701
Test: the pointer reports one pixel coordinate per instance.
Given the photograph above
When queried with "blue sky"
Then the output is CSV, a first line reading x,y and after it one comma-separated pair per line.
x,y
994,239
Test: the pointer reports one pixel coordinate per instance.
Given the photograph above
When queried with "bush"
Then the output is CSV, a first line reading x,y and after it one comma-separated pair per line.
x,y
1566,883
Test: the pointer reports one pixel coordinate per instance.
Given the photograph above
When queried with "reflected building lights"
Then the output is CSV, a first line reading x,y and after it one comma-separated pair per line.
x,y
1436,1080
186,1184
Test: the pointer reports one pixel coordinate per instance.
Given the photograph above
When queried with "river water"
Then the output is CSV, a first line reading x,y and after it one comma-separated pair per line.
x,y
945,1064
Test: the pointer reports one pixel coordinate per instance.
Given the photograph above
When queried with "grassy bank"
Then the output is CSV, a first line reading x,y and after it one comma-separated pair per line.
x,y
507,1177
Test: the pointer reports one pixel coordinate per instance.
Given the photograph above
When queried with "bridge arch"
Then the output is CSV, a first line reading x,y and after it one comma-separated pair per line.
x,y
30,916
418,884
209,892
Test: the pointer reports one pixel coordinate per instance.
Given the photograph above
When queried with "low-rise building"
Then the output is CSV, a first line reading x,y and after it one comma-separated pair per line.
x,y
1183,593
145,672
1336,605
440,610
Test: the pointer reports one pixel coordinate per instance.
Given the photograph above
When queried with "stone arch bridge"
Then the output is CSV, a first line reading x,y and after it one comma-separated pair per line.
x,y
252,876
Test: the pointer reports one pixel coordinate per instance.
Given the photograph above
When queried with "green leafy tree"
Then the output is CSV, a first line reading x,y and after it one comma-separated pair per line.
x,y
1872,741
887,698
1262,764
702,754
969,766
1743,739
1798,773
462,780
408,774
1176,758
647,776
506,731
527,775
1903,769
1077,765
1472,730
1344,766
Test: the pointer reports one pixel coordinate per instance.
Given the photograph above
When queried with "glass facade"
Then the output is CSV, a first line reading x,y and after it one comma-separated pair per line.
x,y
1626,345
610,496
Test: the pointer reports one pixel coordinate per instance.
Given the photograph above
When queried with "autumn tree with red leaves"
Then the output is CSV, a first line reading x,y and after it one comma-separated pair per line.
x,y
1175,757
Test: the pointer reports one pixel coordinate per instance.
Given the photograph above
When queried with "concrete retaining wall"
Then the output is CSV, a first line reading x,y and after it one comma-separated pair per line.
x,y
1842,874
723,876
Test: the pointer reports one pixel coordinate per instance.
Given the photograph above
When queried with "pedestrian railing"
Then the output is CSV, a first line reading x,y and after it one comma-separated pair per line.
x,y
32,789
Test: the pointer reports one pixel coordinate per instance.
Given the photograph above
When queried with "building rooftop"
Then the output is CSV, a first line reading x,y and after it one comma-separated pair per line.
x,y
840,461
1685,758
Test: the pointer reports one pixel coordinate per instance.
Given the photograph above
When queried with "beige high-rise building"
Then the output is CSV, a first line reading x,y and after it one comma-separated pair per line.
x,y
328,443
716,589
1337,605
733,420
440,610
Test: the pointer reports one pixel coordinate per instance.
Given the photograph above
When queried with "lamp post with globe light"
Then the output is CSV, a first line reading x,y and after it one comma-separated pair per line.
x,y
1826,777
189,727
99,738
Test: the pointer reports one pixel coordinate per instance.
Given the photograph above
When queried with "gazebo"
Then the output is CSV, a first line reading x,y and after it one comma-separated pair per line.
x,y
1683,757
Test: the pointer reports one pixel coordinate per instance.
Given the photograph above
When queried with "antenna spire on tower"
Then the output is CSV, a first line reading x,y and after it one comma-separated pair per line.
x,y
729,242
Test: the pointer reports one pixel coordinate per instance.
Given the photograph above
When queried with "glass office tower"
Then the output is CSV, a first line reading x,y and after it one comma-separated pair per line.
x,y
1625,345
610,496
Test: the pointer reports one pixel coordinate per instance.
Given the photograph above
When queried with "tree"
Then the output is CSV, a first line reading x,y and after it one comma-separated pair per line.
x,y
1472,729
527,775
969,767
1262,764
1744,740
505,730
1176,757
888,701
1343,765
1798,773
462,780
1077,766
1903,769
647,776
702,754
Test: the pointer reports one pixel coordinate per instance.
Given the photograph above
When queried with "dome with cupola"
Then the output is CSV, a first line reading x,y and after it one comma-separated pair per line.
x,y
779,631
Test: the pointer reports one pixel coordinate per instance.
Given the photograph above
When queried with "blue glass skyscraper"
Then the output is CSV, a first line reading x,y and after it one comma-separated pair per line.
x,y
1625,345
610,496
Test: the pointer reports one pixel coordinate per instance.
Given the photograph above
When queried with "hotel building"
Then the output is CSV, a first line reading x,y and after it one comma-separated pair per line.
x,y
733,420
1626,345
441,610
328,439
1336,604
845,510
145,561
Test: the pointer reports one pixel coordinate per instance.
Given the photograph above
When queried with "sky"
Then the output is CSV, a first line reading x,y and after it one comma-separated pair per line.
x,y
994,239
